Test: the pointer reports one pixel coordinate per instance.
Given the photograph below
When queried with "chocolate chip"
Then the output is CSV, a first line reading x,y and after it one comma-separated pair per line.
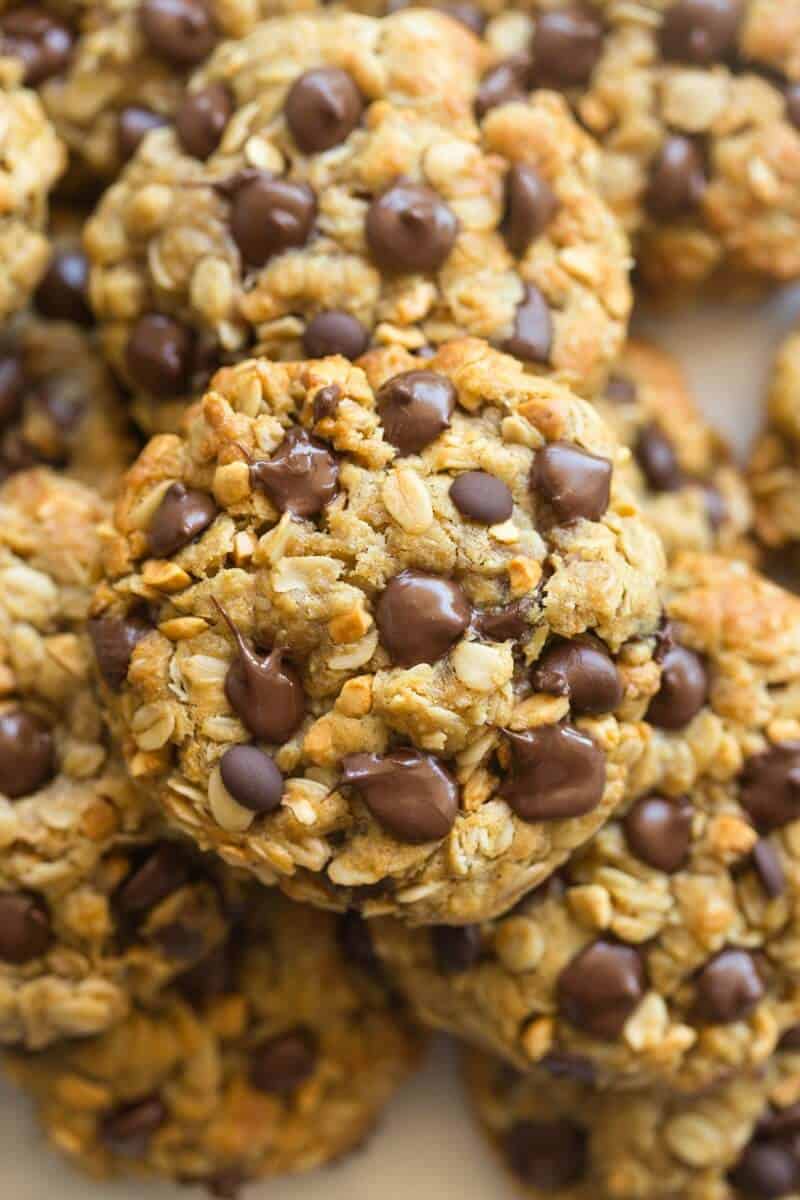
x,y
209,979
547,1155
63,294
164,870
323,108
24,928
415,408
790,1040
43,44
410,794
128,1129
506,83
700,31
159,355
27,753
683,690
410,229
355,941
326,401
182,516
12,388
283,1063
658,831
507,624
114,640
656,456
771,786
252,778
778,1122
727,988
334,332
575,483
532,338
677,179
456,948
583,670
793,104
133,125
567,44
769,868
531,205
265,692
557,772
766,1172
181,32
482,497
601,987
201,119
301,477
270,215
620,390
419,617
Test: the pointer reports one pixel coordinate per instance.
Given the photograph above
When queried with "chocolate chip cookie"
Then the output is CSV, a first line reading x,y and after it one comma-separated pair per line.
x,y
318,194
697,109
662,951
324,603
276,1056
561,1138
679,468
775,462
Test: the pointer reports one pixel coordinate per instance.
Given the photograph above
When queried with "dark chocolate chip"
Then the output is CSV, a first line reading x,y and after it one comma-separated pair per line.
x,y
677,179
419,617
323,108
334,332
252,778
532,336
201,119
114,640
326,401
683,690
209,979
770,789
507,624
301,477
567,44
410,229
482,497
601,987
766,1171
656,456
415,408
547,1155
505,84
456,948
410,794
182,516
621,390
181,32
700,31
271,215
128,1129
778,1122
583,670
27,753
43,44
164,870
265,692
159,355
557,772
282,1064
24,928
769,868
133,125
356,943
12,388
658,831
790,1040
727,988
575,483
63,294
531,205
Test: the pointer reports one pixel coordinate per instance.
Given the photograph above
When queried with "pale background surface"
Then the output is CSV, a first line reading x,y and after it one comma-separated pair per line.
x,y
426,1148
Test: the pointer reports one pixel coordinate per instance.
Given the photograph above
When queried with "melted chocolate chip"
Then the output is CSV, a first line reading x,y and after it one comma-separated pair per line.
x,y
658,831
504,84
766,1171
252,778
282,1064
531,205
683,691
770,789
133,125
323,108
24,928
410,794
164,870
271,215
410,229
12,388
567,44
128,1129
63,294
558,772
159,355
201,119
415,408
301,477
727,988
769,868
419,617
181,32
27,753
583,670
547,1155
532,337
601,987
114,640
507,624
335,332
700,31
575,483
482,497
181,517
456,948
677,179
265,692
656,456
43,44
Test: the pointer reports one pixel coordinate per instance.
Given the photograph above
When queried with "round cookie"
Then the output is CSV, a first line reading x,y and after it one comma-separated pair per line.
x,y
680,469
697,110
351,573
775,463
663,951
560,1139
276,1057
281,232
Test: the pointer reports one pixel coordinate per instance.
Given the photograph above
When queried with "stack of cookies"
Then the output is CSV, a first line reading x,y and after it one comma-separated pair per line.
x,y
384,637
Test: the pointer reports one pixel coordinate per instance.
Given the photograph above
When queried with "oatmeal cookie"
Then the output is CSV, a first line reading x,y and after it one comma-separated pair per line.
x,y
680,469
560,1138
665,950
329,593
277,1056
775,462
696,104
258,224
